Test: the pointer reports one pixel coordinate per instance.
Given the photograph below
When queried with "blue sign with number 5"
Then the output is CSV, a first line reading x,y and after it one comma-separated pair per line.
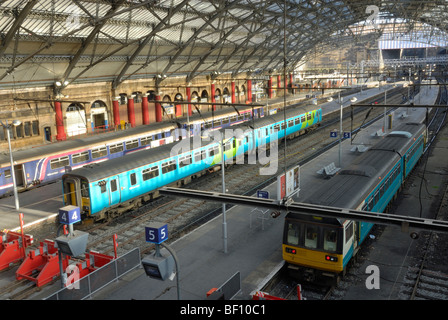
x,y
156,233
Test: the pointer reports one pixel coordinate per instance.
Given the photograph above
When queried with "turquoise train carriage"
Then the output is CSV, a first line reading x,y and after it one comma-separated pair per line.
x,y
107,189
47,163
320,248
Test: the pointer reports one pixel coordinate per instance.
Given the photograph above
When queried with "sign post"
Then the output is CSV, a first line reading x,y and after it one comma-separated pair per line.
x,y
158,266
75,242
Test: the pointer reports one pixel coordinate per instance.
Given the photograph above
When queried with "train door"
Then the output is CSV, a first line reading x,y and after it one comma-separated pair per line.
x,y
72,194
19,173
114,190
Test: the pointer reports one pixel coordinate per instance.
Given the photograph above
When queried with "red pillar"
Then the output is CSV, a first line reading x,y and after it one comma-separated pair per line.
x,y
249,91
233,92
279,81
270,88
116,109
60,136
158,109
131,113
145,110
213,96
188,92
290,78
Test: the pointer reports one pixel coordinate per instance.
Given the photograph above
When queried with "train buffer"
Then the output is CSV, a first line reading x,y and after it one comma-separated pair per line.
x,y
329,170
12,247
41,265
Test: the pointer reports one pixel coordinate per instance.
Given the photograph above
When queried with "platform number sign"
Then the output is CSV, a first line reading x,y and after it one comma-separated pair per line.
x,y
347,135
69,215
333,134
156,233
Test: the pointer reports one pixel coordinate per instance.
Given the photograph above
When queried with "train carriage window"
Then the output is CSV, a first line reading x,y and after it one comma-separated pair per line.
x,y
308,116
150,173
84,188
146,140
266,132
113,185
169,166
99,152
302,119
8,173
228,146
80,157
297,121
377,197
185,161
311,237
115,148
233,119
330,239
348,232
199,156
131,144
59,162
103,187
277,127
133,178
282,126
290,123
212,151
293,234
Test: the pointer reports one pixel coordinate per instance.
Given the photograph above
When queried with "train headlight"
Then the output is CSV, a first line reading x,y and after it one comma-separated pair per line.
x,y
331,258
290,250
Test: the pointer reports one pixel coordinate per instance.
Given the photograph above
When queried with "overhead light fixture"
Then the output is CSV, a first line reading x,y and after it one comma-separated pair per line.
x,y
58,83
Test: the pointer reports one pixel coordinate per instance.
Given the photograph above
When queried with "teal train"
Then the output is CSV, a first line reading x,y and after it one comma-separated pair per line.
x,y
320,248
107,189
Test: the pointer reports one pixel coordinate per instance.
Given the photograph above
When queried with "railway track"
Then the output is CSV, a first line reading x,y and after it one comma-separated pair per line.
x,y
184,214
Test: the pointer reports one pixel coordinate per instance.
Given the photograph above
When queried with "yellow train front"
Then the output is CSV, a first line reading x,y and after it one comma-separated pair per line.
x,y
314,247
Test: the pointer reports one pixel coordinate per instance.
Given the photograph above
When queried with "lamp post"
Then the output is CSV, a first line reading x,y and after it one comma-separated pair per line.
x,y
7,127
341,106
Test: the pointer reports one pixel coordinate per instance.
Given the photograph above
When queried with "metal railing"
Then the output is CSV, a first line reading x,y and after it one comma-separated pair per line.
x,y
100,278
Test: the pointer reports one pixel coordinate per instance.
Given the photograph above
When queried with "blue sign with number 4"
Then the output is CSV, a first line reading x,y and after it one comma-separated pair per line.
x,y
156,233
69,215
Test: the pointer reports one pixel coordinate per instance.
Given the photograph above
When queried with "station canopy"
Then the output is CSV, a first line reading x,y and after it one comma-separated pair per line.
x,y
79,41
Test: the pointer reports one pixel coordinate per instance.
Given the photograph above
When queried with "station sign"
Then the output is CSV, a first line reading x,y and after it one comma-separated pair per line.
x,y
262,194
347,135
333,134
156,233
69,214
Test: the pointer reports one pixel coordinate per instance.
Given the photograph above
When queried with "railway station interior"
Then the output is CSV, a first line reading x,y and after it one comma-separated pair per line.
x,y
223,150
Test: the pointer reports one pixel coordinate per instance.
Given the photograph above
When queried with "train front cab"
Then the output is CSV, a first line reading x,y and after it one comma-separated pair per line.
x,y
76,193
316,248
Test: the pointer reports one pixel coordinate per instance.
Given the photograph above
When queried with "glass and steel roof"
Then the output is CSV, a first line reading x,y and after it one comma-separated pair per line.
x,y
74,41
